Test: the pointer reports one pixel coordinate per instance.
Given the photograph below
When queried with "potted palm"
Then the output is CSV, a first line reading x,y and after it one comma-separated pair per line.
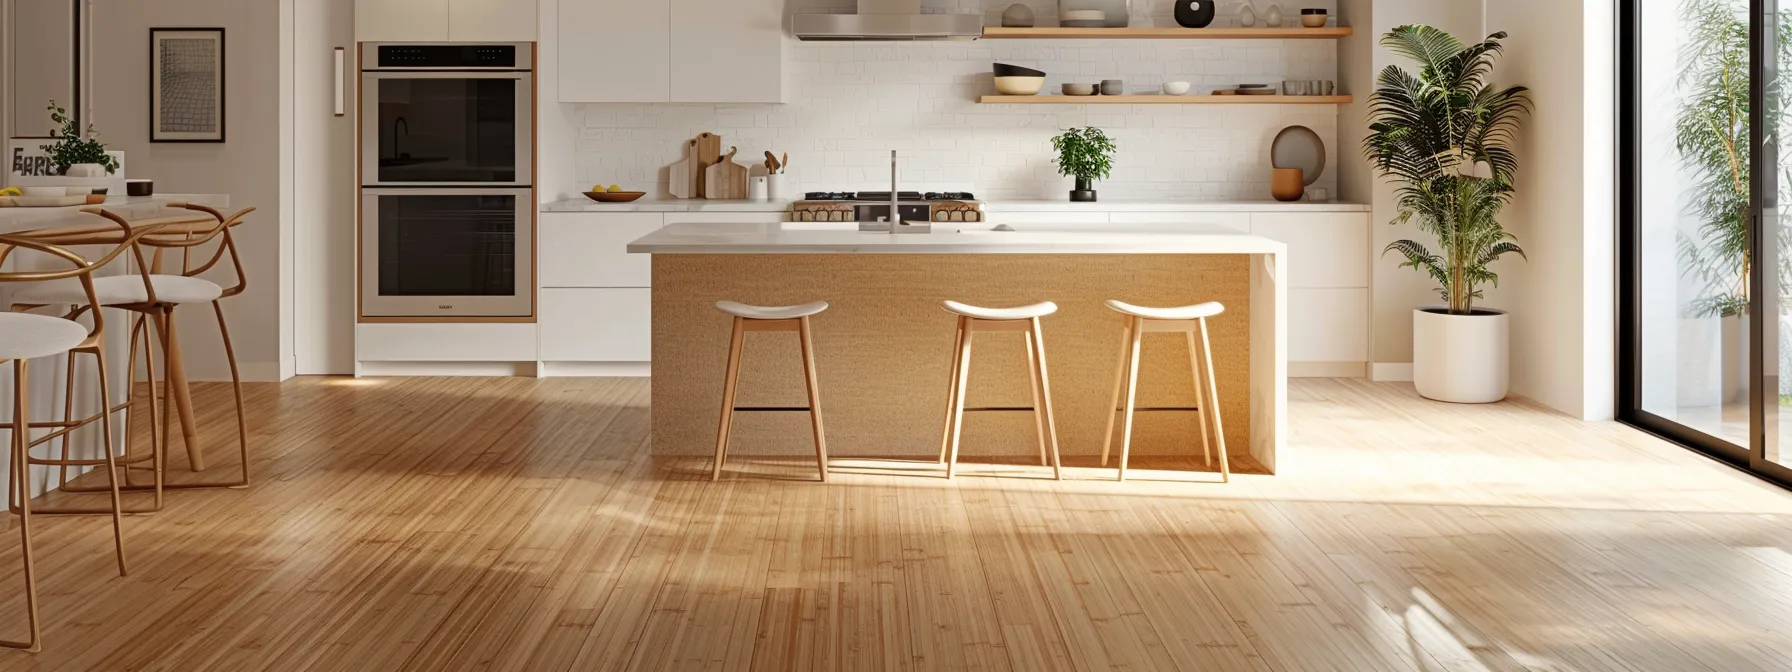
x,y
1087,155
1444,136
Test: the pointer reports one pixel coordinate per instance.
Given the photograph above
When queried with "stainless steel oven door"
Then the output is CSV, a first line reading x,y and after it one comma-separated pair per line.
x,y
447,252
453,128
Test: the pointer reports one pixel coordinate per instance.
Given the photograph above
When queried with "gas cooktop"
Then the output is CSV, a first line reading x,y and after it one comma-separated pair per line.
x,y
884,196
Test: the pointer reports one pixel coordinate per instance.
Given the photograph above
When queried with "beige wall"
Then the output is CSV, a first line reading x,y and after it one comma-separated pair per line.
x,y
246,166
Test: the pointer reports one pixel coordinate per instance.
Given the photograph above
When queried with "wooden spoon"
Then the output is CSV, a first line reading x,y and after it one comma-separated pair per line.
x,y
771,163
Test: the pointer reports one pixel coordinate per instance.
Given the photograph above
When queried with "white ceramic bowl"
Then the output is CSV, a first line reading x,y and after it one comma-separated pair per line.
x,y
1019,86
1084,15
1175,88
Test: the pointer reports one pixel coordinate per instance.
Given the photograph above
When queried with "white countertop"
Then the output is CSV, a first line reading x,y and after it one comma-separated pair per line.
x,y
835,239
129,207
706,205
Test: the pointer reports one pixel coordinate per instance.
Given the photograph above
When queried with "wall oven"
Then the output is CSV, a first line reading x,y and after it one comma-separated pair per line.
x,y
447,177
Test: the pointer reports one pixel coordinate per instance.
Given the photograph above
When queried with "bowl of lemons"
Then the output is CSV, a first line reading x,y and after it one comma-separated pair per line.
x,y
613,194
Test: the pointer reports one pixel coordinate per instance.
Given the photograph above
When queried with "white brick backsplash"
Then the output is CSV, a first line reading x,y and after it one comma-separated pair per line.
x,y
851,103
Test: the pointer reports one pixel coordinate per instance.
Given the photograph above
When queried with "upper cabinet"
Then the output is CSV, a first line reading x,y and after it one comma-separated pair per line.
x,y
445,20
614,51
672,51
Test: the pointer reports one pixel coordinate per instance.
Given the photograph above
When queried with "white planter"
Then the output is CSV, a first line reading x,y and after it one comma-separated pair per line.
x,y
1461,359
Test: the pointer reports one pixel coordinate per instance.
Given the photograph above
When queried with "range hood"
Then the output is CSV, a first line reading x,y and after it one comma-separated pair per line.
x,y
892,20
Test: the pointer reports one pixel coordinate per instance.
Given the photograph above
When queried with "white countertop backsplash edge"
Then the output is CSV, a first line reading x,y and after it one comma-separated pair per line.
x,y
706,205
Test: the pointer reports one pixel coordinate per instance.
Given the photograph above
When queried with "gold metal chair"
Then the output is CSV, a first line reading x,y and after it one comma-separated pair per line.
x,y
155,301
25,336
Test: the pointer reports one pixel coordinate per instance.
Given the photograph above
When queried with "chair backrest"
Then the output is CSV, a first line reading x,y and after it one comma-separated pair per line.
x,y
54,243
190,237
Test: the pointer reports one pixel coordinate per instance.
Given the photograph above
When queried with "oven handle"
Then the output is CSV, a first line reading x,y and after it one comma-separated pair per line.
x,y
523,75
521,192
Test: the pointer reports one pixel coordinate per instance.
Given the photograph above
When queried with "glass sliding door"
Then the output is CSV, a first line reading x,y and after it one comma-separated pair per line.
x,y
1704,278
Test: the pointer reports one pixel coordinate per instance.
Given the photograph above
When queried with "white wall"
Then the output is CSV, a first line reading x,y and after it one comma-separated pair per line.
x,y
1562,298
323,151
246,166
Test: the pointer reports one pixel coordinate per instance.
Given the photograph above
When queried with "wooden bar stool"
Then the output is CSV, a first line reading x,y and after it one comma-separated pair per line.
x,y
1025,319
1187,320
770,318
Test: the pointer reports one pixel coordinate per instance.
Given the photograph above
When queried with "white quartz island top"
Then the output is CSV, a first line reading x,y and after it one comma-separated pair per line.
x,y
997,207
130,207
805,238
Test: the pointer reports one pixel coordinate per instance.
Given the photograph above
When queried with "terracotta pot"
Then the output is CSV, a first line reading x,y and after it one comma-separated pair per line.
x,y
1287,184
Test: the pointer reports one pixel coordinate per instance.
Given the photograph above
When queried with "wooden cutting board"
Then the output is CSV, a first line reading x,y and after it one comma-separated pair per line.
x,y
687,174
709,152
726,180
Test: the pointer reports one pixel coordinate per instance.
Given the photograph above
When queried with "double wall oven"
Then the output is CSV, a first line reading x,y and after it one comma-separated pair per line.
x,y
447,181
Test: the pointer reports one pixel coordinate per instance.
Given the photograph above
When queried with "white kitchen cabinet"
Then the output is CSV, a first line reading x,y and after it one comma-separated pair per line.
x,y
1324,250
659,51
727,51
445,20
615,51
401,20
588,249
596,325
1328,325
492,20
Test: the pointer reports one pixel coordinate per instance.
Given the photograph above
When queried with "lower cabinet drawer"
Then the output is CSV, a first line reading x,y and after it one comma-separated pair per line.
x,y
596,325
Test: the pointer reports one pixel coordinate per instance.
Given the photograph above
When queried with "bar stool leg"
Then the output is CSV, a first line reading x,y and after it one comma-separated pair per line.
x,y
1195,370
821,442
735,341
176,370
951,394
236,388
1113,409
1045,390
1213,393
1038,403
1132,393
21,483
99,356
964,376
68,414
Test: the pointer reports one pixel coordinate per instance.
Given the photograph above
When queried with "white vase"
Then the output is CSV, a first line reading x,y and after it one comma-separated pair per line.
x,y
1273,18
85,170
777,186
1461,359
1247,17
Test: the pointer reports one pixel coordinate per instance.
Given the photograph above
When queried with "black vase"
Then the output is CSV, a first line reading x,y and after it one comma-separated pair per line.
x,y
1195,13
1084,192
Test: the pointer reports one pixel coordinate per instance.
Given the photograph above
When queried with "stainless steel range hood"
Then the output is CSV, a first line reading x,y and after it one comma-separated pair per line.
x,y
894,20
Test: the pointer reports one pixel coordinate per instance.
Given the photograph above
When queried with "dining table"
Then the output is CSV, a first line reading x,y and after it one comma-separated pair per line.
x,y
166,215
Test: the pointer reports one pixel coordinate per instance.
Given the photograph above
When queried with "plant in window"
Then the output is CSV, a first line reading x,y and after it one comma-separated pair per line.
x,y
73,147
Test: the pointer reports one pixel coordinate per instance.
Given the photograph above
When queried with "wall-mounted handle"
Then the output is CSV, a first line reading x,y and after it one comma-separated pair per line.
x,y
341,82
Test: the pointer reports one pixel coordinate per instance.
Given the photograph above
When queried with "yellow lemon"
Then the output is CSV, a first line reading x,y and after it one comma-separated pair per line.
x,y
615,188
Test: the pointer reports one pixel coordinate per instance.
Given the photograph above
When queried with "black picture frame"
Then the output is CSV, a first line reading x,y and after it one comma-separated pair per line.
x,y
157,133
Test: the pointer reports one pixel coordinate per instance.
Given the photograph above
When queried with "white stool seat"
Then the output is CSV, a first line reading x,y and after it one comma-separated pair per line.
x,y
1194,312
1017,313
27,336
117,290
771,312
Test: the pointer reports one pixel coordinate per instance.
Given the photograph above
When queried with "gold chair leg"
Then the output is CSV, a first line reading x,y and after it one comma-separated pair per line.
x,y
236,387
1213,392
821,442
180,391
99,356
1045,392
736,339
1113,409
20,483
68,413
157,458
1132,394
951,393
1195,370
964,377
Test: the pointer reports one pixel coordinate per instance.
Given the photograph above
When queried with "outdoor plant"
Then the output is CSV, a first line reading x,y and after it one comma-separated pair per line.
x,y
1711,134
1084,153
1445,135
72,146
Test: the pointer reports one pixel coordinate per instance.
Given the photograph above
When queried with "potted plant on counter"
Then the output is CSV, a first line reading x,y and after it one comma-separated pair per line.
x,y
1086,154
1444,135
77,154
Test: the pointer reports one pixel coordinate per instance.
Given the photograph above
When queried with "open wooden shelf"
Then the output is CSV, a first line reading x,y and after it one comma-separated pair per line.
x,y
1296,33
1166,100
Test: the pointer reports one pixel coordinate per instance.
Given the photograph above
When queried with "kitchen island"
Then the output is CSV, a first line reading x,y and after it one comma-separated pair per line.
x,y
884,348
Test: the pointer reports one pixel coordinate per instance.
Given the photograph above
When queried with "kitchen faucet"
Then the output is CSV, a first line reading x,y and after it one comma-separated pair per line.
x,y
407,133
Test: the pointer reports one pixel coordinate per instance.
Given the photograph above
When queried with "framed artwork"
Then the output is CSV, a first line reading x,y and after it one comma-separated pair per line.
x,y
186,85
